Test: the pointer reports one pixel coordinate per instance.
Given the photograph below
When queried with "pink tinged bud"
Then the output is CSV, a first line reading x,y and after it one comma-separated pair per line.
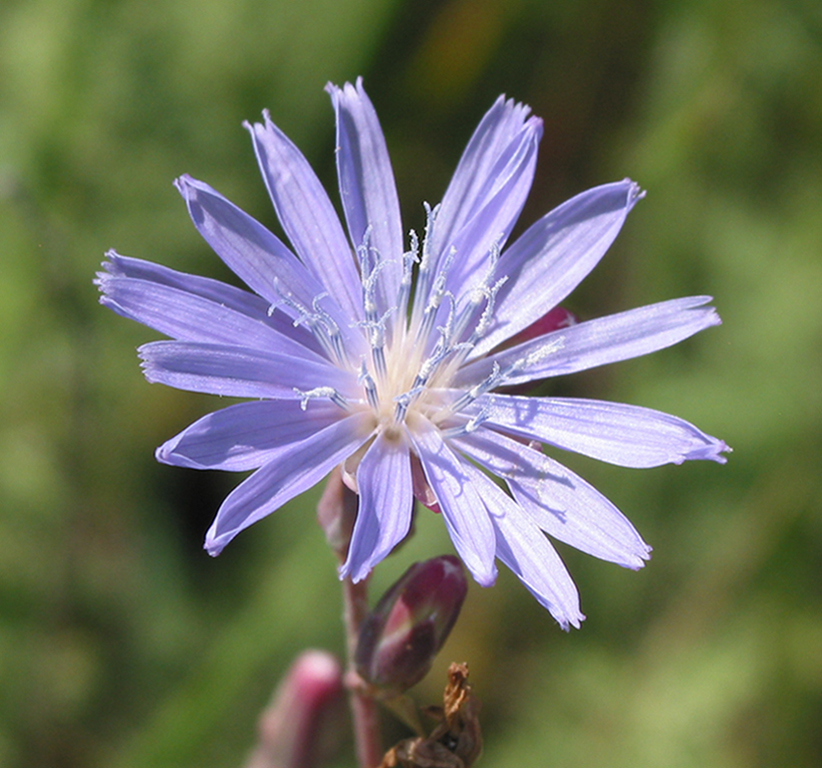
x,y
557,318
553,320
403,634
301,724
422,491
336,513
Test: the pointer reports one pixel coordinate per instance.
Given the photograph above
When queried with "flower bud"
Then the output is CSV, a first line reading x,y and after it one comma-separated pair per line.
x,y
302,721
400,638
422,491
336,514
553,320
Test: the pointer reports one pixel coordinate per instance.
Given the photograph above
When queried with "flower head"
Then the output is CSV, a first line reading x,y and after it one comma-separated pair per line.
x,y
387,360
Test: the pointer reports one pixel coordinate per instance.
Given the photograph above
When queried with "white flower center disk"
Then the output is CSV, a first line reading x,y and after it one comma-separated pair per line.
x,y
416,346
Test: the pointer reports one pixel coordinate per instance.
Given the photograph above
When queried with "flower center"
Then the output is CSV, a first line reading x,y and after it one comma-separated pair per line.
x,y
415,346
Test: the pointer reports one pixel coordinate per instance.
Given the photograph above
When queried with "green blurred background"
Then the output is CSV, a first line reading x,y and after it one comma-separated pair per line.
x,y
122,644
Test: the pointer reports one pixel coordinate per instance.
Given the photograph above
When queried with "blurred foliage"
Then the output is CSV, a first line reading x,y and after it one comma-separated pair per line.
x,y
122,644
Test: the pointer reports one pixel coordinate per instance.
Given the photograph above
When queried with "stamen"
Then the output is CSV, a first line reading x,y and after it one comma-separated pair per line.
x,y
535,356
409,258
369,286
498,377
376,338
369,385
404,401
432,363
468,313
378,356
331,329
424,276
446,331
370,267
426,372
318,322
494,379
434,301
364,250
371,264
488,312
329,392
484,291
304,317
471,425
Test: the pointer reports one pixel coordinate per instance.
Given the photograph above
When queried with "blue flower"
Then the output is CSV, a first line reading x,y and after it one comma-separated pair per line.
x,y
387,361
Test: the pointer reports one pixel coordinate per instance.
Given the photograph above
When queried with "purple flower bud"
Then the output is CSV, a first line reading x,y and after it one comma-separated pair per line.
x,y
403,634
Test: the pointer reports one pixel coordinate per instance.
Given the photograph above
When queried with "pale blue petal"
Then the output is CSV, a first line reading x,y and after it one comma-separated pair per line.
x,y
188,317
261,260
522,546
554,255
558,501
386,502
496,211
296,469
247,435
468,185
253,253
367,187
596,342
307,215
462,508
220,369
216,291
627,435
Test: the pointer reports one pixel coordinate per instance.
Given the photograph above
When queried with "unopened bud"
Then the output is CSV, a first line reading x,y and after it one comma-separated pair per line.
x,y
336,513
422,491
300,725
553,320
409,625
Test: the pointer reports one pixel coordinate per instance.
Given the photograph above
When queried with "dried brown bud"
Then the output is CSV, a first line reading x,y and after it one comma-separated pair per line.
x,y
456,742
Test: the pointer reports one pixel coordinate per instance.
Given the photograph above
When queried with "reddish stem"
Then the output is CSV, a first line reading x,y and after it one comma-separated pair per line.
x,y
337,511
363,707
